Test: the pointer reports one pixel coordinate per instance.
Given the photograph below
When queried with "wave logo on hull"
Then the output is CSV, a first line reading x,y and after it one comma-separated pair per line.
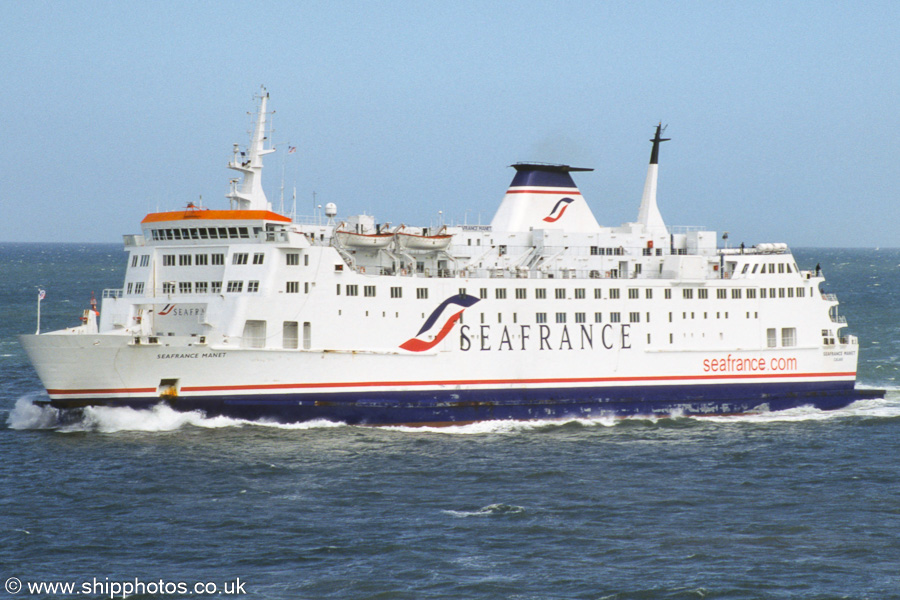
x,y
166,310
559,210
415,344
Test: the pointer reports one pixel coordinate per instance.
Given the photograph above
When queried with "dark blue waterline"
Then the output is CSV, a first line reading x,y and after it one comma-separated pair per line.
x,y
462,406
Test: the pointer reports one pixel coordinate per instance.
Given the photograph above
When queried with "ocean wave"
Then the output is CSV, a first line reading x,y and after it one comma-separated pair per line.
x,y
487,511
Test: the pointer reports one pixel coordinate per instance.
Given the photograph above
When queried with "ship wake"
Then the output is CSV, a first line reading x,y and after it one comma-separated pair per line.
x,y
161,418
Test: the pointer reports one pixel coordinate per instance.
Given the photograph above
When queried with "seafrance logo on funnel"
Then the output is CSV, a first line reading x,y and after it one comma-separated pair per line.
x,y
415,344
558,210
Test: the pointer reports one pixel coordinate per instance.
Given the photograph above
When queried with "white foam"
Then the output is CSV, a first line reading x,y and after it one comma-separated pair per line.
x,y
500,426
487,511
28,415
888,407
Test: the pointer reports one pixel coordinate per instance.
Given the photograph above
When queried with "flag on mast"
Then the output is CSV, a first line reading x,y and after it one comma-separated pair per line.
x,y
41,294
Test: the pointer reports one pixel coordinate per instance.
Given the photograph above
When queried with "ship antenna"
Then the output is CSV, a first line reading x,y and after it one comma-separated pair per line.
x,y
294,206
657,140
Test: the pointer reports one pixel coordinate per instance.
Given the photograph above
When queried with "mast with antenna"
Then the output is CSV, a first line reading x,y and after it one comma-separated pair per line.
x,y
251,196
649,215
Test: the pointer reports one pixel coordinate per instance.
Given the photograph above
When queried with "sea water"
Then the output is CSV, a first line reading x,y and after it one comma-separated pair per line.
x,y
796,504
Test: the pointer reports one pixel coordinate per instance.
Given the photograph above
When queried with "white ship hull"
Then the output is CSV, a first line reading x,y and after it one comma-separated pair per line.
x,y
444,386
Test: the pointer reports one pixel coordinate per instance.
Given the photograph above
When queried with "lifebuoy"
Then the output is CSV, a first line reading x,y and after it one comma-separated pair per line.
x,y
362,269
607,274
403,271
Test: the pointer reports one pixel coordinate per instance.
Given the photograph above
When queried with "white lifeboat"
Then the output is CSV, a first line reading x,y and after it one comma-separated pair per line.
x,y
352,239
412,241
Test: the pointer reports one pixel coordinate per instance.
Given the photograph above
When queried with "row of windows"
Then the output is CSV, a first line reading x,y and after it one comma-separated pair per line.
x,y
369,291
144,259
197,287
293,259
202,260
598,251
770,267
187,260
580,317
788,337
202,233
238,258
614,293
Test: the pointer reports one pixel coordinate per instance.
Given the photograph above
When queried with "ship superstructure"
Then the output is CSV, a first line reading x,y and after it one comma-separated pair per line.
x,y
544,313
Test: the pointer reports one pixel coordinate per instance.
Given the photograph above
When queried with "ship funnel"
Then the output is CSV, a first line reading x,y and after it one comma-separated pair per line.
x,y
544,196
649,215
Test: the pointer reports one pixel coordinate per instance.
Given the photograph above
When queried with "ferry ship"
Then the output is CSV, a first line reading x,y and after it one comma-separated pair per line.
x,y
543,314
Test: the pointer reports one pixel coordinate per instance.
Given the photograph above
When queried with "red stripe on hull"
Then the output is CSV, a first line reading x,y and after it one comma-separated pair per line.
x,y
364,384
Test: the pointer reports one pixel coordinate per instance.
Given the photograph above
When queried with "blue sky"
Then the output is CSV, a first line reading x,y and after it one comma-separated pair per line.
x,y
783,116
